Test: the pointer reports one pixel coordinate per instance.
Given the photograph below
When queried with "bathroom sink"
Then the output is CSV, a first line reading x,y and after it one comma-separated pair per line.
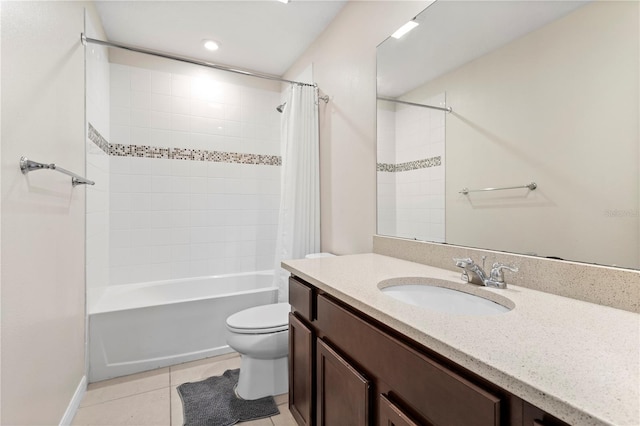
x,y
438,295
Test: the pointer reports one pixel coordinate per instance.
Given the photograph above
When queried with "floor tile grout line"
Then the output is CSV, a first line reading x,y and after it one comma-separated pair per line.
x,y
226,357
126,396
170,401
130,378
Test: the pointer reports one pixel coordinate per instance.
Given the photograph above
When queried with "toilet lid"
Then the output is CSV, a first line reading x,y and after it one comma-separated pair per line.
x,y
261,319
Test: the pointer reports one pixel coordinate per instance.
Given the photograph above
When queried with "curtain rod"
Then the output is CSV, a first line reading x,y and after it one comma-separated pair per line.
x,y
193,61
445,109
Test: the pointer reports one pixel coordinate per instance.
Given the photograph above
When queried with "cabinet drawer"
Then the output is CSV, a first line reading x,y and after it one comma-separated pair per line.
x,y
301,298
438,394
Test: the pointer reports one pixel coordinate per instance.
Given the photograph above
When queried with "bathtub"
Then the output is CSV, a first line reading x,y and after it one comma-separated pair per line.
x,y
138,327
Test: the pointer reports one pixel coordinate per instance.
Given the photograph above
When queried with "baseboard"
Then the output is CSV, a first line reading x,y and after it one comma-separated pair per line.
x,y
70,413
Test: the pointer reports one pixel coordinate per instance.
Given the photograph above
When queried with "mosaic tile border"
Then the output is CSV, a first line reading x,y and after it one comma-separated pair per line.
x,y
411,165
147,151
98,139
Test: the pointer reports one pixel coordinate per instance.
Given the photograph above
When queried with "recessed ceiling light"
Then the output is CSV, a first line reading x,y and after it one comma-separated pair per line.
x,y
404,29
210,45
283,1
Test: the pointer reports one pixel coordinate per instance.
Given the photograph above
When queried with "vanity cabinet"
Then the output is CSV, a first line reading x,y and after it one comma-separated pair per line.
x,y
349,369
324,388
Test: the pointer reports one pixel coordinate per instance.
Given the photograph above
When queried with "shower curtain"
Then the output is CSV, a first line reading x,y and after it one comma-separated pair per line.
x,y
299,217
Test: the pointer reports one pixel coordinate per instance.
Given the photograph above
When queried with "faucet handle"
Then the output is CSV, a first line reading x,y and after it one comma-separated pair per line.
x,y
496,271
463,262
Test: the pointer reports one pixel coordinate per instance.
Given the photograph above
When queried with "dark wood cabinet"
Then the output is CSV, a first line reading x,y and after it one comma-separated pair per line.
x,y
301,397
432,389
390,414
533,416
349,369
343,393
302,298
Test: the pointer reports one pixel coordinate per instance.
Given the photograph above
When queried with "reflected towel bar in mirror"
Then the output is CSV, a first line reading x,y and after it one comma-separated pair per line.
x,y
27,166
532,186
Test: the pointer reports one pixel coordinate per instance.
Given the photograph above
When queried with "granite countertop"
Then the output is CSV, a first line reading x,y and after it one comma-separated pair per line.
x,y
576,360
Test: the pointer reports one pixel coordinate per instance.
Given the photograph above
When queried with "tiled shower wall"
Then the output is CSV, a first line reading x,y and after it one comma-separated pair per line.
x,y
416,174
195,176
386,154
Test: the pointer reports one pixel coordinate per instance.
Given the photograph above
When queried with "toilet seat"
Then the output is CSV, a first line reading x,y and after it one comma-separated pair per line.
x,y
260,319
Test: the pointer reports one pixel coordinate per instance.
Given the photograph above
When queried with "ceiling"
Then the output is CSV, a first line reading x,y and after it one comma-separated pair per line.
x,y
263,35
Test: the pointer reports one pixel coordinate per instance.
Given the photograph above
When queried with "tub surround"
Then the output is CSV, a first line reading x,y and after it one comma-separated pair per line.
x,y
609,286
194,159
576,360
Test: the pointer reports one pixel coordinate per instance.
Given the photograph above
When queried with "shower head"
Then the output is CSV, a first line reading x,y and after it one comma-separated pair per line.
x,y
281,107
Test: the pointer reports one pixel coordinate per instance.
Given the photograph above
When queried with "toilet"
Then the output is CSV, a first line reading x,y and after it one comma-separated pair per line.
x,y
261,336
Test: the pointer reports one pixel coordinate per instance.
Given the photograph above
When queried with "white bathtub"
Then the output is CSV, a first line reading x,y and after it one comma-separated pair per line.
x,y
138,327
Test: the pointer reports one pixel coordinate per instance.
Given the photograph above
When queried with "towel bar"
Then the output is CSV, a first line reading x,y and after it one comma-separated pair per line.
x,y
27,166
531,187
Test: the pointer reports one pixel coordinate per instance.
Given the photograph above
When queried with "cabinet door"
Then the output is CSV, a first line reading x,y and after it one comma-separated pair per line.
x,y
343,393
390,414
300,371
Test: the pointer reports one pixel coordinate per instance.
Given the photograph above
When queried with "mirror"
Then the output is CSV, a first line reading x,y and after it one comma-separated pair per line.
x,y
544,99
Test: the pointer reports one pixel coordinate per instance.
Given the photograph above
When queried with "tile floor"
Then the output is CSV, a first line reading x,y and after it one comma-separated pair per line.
x,y
151,398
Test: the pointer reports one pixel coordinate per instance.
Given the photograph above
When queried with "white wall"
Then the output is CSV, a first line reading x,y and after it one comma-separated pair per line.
x,y
530,111
43,217
344,66
184,217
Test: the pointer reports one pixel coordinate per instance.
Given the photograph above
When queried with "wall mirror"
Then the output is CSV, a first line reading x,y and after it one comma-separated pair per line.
x,y
544,99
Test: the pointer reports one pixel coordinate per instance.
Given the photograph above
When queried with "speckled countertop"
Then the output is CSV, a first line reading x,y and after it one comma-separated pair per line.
x,y
576,360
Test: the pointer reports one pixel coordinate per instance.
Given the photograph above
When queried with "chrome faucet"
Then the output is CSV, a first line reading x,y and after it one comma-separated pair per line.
x,y
471,272
475,274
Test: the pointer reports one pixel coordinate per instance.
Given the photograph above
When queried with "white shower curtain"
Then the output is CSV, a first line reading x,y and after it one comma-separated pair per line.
x,y
299,218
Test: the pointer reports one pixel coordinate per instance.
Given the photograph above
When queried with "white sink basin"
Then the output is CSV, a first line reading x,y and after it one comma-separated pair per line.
x,y
431,295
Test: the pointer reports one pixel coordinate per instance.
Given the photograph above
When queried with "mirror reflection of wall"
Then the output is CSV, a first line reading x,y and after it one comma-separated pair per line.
x,y
557,104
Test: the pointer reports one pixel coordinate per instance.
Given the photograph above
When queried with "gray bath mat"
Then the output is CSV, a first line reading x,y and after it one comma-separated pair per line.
x,y
213,402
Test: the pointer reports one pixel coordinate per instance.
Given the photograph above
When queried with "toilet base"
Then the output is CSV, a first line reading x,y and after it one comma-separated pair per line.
x,y
262,377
